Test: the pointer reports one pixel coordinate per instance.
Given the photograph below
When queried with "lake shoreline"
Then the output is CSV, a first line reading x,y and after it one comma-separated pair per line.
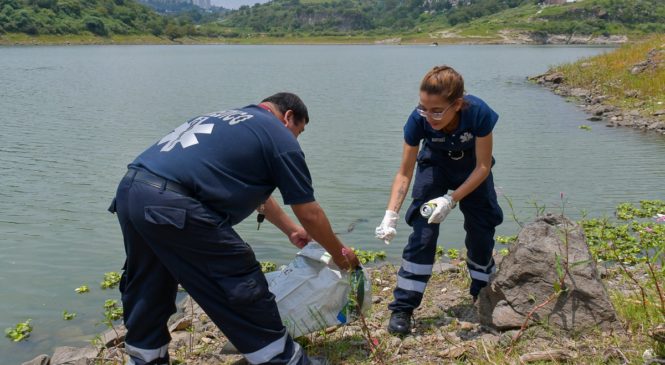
x,y
432,39
438,335
626,98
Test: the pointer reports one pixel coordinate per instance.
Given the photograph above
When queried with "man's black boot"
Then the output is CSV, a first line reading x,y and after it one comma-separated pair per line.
x,y
400,323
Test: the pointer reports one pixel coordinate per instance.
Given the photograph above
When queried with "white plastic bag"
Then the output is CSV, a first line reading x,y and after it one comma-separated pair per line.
x,y
312,293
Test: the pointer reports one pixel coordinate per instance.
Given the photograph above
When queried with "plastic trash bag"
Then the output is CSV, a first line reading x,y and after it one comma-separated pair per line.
x,y
312,293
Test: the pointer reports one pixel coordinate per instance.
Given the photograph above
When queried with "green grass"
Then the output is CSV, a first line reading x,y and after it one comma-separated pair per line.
x,y
610,75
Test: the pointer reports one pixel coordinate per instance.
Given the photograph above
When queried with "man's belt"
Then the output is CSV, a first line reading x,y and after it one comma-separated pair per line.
x,y
158,182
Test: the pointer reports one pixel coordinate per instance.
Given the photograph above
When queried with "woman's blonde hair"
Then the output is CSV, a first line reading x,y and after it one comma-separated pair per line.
x,y
444,81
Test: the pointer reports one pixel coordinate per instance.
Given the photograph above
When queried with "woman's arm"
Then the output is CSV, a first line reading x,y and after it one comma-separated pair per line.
x,y
403,177
481,171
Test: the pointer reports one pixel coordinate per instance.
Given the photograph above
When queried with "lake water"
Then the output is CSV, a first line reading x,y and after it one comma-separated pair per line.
x,y
73,117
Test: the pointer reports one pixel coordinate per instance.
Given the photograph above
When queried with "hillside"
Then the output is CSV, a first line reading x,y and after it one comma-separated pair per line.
x,y
99,17
101,21
419,20
318,21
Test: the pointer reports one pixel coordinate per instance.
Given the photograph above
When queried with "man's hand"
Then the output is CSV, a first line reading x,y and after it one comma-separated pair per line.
x,y
346,259
444,204
386,230
299,237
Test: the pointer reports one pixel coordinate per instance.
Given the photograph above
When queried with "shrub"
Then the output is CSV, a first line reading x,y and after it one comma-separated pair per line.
x,y
95,26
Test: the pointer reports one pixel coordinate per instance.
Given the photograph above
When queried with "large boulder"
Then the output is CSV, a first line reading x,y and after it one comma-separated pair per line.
x,y
74,355
526,278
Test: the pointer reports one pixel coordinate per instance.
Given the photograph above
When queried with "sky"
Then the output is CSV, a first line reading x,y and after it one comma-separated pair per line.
x,y
235,4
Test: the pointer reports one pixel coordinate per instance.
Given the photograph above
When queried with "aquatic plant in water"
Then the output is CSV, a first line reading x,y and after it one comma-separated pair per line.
x,y
20,331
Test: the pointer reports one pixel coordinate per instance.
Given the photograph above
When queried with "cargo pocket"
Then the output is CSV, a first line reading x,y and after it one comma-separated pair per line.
x,y
165,216
423,182
242,291
413,212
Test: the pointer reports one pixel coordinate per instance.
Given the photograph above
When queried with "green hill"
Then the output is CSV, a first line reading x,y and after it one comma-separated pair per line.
x,y
473,17
89,21
99,17
337,20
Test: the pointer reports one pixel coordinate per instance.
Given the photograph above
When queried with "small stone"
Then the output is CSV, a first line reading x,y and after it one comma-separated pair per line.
x,y
467,326
395,342
410,342
181,325
631,93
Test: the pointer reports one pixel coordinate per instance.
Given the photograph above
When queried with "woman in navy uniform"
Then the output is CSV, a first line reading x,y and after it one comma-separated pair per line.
x,y
177,206
449,136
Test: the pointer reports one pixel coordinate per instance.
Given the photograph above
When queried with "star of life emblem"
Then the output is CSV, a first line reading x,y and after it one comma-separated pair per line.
x,y
186,134
466,137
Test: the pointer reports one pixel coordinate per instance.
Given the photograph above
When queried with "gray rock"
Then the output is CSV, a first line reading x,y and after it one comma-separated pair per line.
x,y
74,355
555,78
659,113
579,92
444,267
526,277
410,342
600,109
39,360
112,338
181,324
631,93
656,125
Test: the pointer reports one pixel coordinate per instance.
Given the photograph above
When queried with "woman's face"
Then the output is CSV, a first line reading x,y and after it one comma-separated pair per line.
x,y
437,110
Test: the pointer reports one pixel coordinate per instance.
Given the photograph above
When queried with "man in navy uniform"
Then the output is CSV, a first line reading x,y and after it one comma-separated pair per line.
x,y
177,205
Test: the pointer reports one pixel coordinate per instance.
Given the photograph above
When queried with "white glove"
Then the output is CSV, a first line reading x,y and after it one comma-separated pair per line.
x,y
444,204
386,230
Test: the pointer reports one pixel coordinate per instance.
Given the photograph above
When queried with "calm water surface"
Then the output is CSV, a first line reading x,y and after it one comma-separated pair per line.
x,y
73,117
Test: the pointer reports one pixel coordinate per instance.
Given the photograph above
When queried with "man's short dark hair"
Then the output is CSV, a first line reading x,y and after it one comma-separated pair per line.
x,y
289,101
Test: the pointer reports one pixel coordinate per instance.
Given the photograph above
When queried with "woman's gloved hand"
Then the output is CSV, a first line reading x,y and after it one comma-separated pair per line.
x,y
386,230
444,204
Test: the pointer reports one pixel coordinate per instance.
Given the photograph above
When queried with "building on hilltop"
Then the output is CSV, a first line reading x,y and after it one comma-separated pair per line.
x,y
557,2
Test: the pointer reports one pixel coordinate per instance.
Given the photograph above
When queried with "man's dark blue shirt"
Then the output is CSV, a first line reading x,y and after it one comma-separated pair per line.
x,y
232,161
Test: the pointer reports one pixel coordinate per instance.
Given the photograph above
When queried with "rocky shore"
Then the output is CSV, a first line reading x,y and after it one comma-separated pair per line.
x,y
602,108
448,327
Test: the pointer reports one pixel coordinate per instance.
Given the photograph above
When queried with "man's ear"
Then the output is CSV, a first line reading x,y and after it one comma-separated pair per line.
x,y
289,116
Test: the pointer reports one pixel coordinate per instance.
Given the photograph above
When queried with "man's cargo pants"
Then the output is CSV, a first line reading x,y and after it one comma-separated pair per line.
x,y
436,173
171,238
